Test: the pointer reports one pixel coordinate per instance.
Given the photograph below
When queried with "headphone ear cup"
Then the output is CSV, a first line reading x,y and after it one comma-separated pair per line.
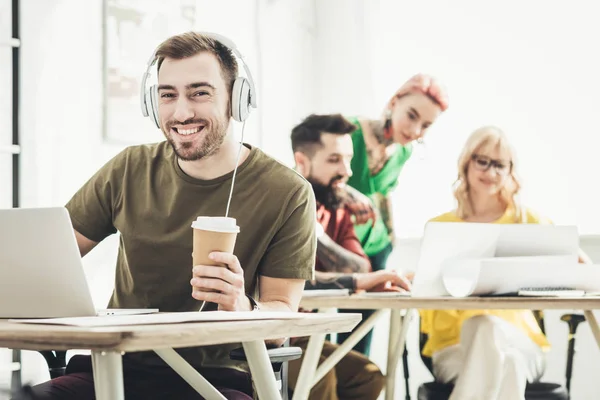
x,y
145,100
240,99
153,105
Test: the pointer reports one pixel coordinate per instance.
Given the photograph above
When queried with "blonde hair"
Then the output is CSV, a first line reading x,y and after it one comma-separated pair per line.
x,y
485,139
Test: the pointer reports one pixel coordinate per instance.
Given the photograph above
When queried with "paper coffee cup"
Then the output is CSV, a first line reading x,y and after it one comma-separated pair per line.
x,y
213,234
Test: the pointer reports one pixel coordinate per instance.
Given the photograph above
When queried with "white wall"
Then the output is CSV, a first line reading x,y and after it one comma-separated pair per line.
x,y
525,66
63,145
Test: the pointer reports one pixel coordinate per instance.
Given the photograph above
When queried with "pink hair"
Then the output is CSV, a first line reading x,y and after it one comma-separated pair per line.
x,y
427,85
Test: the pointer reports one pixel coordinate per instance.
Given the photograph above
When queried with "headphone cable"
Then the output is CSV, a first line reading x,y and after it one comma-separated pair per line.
x,y
237,161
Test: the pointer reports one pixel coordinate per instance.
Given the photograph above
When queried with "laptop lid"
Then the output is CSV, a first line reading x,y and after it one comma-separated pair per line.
x,y
446,243
41,273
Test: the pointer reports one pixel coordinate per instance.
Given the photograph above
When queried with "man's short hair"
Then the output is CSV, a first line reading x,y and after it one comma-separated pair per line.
x,y
306,136
189,44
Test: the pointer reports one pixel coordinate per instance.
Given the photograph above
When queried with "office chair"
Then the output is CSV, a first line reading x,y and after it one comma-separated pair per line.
x,y
279,357
534,391
57,362
573,321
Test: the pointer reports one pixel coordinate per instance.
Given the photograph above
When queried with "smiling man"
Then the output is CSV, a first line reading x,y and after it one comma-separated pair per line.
x,y
323,152
151,194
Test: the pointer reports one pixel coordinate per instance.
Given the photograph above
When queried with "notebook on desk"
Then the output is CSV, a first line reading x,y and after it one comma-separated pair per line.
x,y
41,273
563,292
551,292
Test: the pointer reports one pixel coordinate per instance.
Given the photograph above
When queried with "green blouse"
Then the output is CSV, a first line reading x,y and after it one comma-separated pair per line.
x,y
374,238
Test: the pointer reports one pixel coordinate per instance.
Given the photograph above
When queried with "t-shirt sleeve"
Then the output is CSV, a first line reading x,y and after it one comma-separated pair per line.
x,y
292,251
92,207
348,237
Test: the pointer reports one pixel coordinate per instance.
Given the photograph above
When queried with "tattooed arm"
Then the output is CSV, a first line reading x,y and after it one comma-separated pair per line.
x,y
331,280
379,281
378,146
335,258
359,205
384,203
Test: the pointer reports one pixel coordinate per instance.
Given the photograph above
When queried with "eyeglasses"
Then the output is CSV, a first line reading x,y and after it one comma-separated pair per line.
x,y
483,163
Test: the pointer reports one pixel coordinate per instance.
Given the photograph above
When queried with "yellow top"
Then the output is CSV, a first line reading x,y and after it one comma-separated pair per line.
x,y
443,326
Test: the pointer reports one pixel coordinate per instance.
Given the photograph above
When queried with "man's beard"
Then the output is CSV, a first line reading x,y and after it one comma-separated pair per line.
x,y
211,139
328,195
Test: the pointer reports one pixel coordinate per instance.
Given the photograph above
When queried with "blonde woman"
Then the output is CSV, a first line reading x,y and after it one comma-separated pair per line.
x,y
487,354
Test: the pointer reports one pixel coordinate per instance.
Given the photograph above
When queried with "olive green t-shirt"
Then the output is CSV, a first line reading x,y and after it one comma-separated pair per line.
x,y
374,237
144,195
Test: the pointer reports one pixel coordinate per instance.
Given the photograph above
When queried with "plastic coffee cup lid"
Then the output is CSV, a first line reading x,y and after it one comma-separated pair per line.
x,y
216,224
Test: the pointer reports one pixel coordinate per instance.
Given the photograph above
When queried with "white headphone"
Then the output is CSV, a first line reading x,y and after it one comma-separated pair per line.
x,y
243,94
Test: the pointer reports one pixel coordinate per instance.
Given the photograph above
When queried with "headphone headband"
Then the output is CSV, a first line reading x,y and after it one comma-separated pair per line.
x,y
231,46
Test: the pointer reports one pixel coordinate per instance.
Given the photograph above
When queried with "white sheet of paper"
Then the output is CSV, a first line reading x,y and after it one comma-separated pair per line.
x,y
452,241
384,294
161,318
325,292
509,274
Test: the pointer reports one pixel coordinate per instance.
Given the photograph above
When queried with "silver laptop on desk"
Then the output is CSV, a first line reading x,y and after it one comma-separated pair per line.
x,y
445,242
41,273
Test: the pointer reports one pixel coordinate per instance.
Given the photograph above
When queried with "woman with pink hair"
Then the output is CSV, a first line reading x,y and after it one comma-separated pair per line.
x,y
381,148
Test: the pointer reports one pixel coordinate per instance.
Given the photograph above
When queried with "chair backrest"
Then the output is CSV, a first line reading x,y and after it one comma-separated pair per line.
x,y
422,341
538,314
539,317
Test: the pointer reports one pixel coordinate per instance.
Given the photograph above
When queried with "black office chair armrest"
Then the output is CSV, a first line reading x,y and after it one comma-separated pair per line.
x,y
56,360
276,355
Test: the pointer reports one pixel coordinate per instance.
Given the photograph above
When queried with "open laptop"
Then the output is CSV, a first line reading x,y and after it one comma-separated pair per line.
x,y
41,273
447,243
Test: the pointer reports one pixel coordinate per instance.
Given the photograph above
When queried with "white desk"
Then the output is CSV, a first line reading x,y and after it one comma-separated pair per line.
x,y
310,374
109,343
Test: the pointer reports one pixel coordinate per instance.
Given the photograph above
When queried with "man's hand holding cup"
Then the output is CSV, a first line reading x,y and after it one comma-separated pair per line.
x,y
221,285
217,276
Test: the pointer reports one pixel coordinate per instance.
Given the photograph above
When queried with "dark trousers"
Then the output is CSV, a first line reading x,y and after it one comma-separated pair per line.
x,y
140,383
378,262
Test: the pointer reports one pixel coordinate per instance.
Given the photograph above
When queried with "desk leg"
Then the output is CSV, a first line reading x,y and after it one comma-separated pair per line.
x,y
395,355
593,322
261,369
309,366
189,374
108,375
345,347
390,371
